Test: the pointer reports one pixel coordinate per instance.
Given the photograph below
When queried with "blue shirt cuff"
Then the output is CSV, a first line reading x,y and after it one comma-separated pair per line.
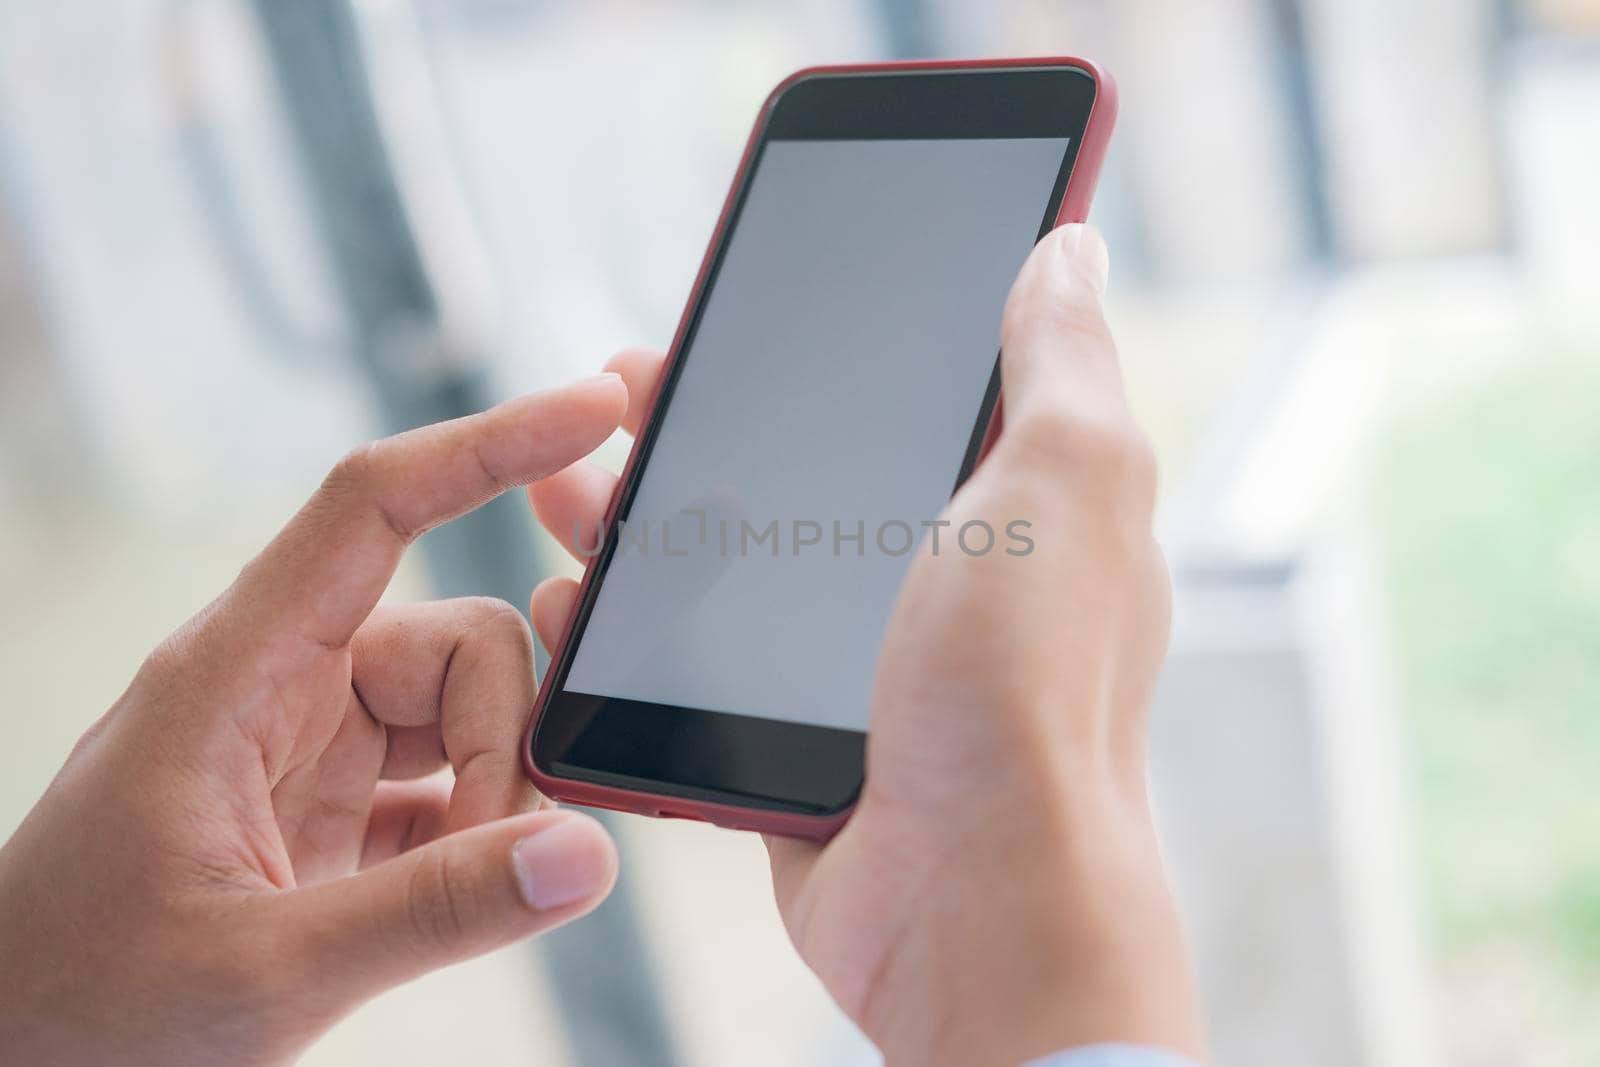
x,y
1112,1056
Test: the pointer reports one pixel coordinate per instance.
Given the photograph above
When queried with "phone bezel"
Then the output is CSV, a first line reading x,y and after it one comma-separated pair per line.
x,y
743,770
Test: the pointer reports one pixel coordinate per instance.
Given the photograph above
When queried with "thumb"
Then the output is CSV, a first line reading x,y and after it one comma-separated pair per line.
x,y
1056,348
455,898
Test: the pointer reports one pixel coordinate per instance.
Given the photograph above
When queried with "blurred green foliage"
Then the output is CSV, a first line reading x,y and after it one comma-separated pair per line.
x,y
1489,503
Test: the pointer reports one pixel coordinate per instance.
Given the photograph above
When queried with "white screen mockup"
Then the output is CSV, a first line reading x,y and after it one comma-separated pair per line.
x,y
836,377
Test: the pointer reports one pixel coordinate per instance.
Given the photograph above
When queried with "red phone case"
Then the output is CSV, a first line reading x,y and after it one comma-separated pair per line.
x,y
1074,208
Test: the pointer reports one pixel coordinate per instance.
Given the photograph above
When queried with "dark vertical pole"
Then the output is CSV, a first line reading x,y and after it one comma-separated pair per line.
x,y
1305,128
908,29
601,971
381,278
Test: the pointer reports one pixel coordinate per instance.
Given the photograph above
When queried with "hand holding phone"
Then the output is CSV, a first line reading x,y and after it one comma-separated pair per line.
x,y
998,892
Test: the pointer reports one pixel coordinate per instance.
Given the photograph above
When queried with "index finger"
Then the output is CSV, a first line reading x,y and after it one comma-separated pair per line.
x,y
641,369
323,574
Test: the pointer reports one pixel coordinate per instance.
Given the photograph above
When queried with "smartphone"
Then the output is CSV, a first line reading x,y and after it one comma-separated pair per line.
x,y
834,379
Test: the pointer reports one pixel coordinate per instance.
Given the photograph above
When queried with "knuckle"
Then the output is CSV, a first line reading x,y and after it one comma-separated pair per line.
x,y
172,669
358,477
1102,449
164,662
436,900
499,622
355,470
1071,433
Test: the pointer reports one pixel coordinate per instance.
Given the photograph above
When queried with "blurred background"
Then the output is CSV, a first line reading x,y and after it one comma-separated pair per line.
x,y
1357,302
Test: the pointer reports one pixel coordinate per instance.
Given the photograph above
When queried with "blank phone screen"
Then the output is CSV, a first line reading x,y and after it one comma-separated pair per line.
x,y
824,407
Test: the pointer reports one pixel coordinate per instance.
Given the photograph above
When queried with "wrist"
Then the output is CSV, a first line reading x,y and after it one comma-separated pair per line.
x,y
1038,937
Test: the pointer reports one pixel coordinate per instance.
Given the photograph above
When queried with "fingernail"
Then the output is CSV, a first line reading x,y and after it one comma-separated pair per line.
x,y
560,865
607,376
1086,252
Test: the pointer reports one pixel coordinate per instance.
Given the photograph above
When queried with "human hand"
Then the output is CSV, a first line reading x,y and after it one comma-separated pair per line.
x,y
998,892
252,840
